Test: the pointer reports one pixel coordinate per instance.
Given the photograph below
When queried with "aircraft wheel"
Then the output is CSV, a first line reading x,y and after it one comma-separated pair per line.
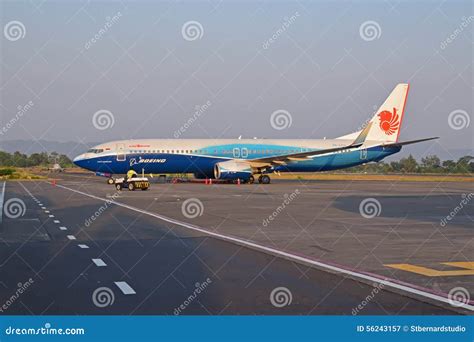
x,y
131,187
118,187
110,181
264,179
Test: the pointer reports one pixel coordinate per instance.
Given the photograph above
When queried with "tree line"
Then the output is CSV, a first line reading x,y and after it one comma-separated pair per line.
x,y
428,164
18,159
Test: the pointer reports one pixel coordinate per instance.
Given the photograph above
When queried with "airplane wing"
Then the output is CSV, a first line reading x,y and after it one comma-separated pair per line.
x,y
302,156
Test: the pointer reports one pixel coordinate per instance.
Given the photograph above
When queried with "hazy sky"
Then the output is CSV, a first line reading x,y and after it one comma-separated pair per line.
x,y
329,65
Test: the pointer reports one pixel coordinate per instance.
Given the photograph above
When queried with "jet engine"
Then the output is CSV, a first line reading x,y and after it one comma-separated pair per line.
x,y
232,170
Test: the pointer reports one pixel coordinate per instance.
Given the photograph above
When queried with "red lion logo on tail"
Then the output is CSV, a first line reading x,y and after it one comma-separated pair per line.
x,y
389,121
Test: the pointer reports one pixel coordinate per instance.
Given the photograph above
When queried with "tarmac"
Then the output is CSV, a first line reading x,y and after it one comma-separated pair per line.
x,y
290,247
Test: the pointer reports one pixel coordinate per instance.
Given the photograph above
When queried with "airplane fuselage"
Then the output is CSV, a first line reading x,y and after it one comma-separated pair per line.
x,y
199,156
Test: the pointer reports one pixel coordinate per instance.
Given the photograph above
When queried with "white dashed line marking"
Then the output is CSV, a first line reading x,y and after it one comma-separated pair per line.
x,y
124,287
56,221
99,262
387,282
63,228
71,237
51,215
46,211
83,246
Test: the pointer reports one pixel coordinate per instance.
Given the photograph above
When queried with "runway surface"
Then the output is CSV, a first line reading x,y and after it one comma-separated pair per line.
x,y
291,247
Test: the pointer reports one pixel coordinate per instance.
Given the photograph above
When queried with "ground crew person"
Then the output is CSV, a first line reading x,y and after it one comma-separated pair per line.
x,y
131,174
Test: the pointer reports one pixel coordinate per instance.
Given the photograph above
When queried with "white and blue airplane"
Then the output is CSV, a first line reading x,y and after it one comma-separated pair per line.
x,y
243,159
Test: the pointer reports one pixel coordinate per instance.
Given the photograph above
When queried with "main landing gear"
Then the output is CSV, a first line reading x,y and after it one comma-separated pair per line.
x,y
264,179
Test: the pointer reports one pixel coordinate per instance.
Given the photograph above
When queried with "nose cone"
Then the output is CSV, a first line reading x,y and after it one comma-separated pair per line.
x,y
79,160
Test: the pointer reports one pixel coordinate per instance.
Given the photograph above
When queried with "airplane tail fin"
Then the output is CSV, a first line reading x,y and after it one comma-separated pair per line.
x,y
386,123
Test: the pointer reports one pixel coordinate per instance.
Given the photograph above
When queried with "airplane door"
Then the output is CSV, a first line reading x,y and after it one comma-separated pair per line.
x,y
236,152
363,154
121,155
244,152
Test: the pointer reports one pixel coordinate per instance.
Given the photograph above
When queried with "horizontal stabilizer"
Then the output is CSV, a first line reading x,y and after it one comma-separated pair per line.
x,y
410,142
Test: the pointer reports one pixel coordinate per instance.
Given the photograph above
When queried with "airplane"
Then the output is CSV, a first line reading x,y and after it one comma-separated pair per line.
x,y
56,168
244,159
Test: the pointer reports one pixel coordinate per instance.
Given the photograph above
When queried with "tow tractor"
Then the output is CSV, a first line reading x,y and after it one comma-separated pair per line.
x,y
132,184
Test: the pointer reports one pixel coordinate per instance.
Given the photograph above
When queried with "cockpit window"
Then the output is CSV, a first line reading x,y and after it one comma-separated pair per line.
x,y
95,150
